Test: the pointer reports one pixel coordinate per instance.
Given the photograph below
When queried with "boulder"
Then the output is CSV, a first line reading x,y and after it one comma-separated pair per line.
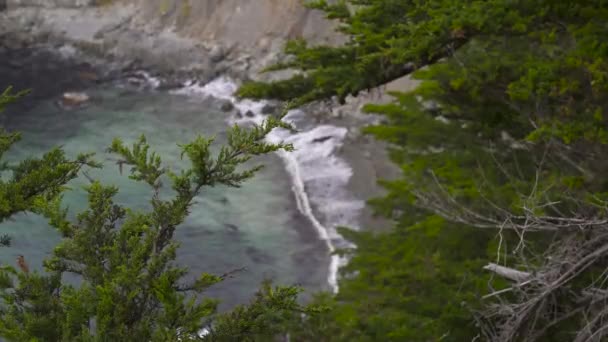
x,y
226,106
216,54
72,100
231,227
270,109
89,76
249,114
321,139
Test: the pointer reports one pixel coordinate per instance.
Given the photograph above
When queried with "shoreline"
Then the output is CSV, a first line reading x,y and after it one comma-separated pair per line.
x,y
332,171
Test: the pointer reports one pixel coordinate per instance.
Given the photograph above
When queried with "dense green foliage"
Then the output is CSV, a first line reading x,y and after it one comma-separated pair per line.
x,y
34,179
501,150
128,286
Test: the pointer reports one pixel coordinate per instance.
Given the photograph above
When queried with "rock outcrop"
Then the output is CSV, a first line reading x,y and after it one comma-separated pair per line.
x,y
237,37
252,24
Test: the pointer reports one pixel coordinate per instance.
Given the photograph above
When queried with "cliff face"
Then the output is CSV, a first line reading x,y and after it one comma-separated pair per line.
x,y
234,36
246,23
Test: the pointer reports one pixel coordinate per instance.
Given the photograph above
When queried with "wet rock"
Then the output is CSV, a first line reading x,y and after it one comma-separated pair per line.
x,y
87,76
249,114
170,84
72,100
321,139
337,113
258,256
238,114
226,106
231,227
136,81
270,109
216,54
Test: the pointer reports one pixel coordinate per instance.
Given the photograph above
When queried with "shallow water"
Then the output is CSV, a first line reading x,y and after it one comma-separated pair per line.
x,y
257,227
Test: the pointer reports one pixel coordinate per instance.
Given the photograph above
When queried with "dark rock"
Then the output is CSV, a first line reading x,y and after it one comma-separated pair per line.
x,y
270,109
249,114
231,227
16,63
238,114
321,139
132,66
258,256
216,54
226,106
169,84
84,75
136,81
73,100
2,5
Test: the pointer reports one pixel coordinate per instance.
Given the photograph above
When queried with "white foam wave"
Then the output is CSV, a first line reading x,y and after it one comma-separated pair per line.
x,y
319,177
142,79
154,82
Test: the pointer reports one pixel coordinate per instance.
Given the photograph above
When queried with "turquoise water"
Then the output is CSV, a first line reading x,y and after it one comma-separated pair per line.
x,y
257,226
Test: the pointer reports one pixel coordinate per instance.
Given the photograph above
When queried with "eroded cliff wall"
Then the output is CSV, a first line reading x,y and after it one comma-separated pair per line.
x,y
247,23
241,36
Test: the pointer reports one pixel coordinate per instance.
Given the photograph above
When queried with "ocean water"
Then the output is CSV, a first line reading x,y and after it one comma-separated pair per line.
x,y
257,227
281,225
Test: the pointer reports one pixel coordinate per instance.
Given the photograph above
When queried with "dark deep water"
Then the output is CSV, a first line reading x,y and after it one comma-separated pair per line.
x,y
256,227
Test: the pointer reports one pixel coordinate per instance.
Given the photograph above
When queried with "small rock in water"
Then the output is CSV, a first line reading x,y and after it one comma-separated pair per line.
x,y
216,53
226,106
169,83
258,256
73,99
88,76
321,139
249,114
238,114
269,109
231,227
135,81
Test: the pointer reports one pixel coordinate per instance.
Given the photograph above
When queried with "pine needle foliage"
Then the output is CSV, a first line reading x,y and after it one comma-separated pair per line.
x,y
501,150
129,286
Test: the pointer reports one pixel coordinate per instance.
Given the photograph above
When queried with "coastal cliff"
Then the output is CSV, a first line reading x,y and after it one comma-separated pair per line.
x,y
236,37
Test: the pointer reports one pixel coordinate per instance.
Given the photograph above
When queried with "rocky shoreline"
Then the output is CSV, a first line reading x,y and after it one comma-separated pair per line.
x,y
112,36
103,46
